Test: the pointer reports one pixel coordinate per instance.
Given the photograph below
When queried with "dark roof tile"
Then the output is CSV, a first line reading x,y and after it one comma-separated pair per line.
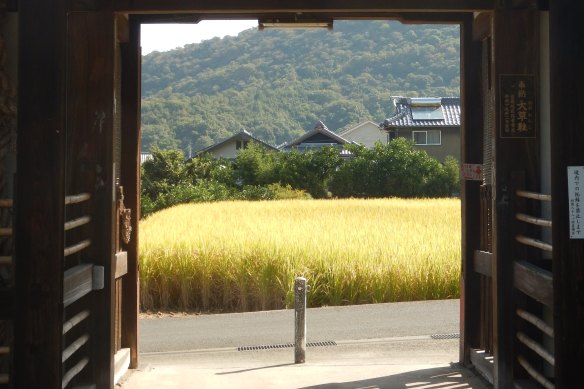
x,y
403,118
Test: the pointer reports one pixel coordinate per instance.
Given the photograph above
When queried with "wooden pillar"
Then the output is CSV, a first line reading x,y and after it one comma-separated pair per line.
x,y
92,115
131,76
515,48
39,198
471,152
567,147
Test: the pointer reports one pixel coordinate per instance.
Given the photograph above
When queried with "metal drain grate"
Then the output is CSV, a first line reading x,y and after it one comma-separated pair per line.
x,y
445,336
327,343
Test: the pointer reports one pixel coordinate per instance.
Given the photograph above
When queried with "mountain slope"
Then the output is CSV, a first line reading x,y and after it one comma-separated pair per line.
x,y
277,84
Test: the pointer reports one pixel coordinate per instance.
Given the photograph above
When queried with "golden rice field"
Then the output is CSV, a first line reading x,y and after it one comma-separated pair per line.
x,y
243,256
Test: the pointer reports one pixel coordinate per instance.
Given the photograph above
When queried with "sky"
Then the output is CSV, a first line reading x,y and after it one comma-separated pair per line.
x,y
164,37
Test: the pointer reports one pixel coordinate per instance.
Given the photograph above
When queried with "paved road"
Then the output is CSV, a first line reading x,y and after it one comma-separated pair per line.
x,y
382,346
339,324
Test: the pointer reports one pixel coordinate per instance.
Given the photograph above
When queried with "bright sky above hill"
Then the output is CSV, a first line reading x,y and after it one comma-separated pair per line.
x,y
164,37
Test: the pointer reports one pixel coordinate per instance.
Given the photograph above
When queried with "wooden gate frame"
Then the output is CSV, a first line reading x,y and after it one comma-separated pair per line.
x,y
40,186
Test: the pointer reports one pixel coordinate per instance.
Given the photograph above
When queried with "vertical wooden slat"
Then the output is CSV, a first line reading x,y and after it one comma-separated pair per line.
x,y
567,145
106,21
131,72
39,206
471,153
486,189
118,316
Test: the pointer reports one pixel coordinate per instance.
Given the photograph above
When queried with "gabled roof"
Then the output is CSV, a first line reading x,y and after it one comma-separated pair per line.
x,y
319,129
358,126
449,107
241,135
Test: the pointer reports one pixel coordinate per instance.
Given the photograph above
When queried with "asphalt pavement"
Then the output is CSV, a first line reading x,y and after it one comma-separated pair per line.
x,y
410,345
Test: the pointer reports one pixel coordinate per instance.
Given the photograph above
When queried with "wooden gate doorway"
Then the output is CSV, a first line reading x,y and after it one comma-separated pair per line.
x,y
463,20
99,48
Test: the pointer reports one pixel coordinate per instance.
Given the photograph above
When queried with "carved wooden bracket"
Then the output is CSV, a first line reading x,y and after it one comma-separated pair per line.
x,y
125,218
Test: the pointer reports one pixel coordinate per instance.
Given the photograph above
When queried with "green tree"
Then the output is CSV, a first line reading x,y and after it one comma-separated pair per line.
x,y
396,169
311,171
255,165
162,172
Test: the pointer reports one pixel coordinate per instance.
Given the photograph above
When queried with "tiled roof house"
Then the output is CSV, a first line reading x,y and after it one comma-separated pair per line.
x,y
318,137
433,124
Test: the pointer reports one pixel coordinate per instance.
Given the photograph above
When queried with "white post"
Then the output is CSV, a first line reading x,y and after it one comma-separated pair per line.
x,y
300,320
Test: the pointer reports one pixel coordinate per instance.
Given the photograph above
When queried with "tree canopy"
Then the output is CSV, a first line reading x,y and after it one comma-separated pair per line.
x,y
396,169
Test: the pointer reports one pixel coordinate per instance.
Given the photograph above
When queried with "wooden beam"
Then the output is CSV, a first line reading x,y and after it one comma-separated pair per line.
x,y
81,221
535,374
78,318
74,347
121,264
78,282
534,282
294,6
403,17
534,220
471,152
483,263
77,247
536,347
74,371
567,140
533,195
40,188
131,148
536,322
76,199
482,26
534,243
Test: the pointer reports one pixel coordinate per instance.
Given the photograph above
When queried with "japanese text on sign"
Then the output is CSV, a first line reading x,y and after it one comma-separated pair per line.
x,y
471,171
575,193
518,111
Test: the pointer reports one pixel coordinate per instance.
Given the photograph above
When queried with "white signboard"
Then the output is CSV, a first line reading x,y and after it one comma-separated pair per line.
x,y
576,199
471,171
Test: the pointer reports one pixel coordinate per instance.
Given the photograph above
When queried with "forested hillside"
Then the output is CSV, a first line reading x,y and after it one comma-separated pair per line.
x,y
277,84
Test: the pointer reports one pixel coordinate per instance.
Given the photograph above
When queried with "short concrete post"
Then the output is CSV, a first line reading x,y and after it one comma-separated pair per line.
x,y
300,320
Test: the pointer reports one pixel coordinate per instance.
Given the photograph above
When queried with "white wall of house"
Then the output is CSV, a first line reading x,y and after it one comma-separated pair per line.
x,y
226,150
366,133
449,141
